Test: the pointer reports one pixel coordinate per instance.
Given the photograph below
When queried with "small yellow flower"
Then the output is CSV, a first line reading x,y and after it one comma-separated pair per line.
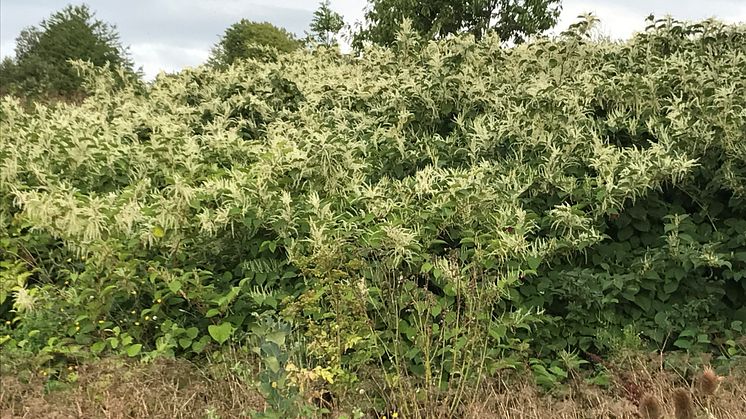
x,y
274,384
147,318
100,322
395,415
137,323
77,328
159,301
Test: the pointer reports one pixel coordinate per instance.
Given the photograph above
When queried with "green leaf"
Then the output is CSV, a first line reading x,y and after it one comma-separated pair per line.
x,y
199,346
661,318
98,347
192,332
558,371
643,302
185,342
498,331
220,333
174,286
625,233
683,343
114,342
688,332
642,225
273,364
669,287
277,338
426,267
134,350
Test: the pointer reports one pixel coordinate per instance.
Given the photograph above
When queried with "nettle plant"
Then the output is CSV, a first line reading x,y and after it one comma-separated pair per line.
x,y
434,211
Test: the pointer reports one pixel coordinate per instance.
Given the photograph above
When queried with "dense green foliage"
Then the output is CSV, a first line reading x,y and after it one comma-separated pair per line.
x,y
41,66
247,39
438,210
326,24
511,20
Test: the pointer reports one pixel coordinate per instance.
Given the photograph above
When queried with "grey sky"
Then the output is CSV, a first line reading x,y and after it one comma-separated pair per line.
x,y
172,34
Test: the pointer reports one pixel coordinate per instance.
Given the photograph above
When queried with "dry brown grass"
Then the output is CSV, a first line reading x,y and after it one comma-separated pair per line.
x,y
115,389
630,388
178,389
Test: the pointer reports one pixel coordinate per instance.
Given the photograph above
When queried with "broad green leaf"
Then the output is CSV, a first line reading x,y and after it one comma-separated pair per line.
x,y
134,350
98,347
192,332
220,333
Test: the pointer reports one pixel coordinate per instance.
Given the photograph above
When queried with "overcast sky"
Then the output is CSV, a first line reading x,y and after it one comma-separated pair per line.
x,y
172,34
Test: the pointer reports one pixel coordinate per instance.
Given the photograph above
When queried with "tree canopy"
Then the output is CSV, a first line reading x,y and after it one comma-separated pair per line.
x,y
247,39
326,24
41,65
512,20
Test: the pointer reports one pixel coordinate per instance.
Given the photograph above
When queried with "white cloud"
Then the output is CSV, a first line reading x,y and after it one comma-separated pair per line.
x,y
157,57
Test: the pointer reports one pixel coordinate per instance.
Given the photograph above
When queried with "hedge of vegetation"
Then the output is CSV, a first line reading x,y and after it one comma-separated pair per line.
x,y
436,210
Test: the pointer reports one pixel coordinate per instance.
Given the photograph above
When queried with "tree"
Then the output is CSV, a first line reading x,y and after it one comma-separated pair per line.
x,y
41,65
326,24
247,39
512,20
8,69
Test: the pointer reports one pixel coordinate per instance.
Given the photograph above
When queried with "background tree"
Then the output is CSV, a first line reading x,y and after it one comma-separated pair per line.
x,y
326,24
41,64
247,39
512,20
8,70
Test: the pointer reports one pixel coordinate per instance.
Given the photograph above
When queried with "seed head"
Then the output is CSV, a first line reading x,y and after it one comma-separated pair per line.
x,y
650,408
709,382
682,403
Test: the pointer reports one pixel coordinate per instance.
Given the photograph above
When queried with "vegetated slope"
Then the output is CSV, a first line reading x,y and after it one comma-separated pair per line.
x,y
441,209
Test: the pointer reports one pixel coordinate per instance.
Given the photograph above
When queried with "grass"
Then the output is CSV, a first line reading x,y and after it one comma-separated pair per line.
x,y
118,388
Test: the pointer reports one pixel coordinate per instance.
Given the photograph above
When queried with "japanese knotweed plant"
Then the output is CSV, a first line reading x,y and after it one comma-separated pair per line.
x,y
552,177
